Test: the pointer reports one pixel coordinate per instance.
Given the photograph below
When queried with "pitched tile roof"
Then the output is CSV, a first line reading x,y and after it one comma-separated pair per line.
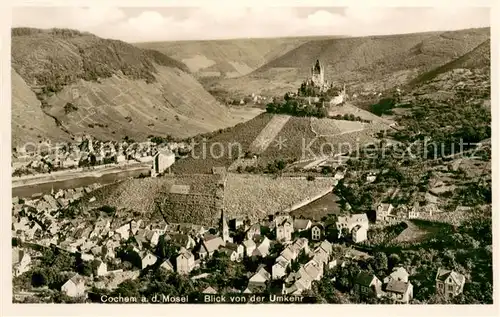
x,y
364,278
396,286
443,274
301,224
213,244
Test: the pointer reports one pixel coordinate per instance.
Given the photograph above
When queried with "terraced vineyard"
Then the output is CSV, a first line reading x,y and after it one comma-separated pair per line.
x,y
241,135
324,126
267,135
258,195
290,141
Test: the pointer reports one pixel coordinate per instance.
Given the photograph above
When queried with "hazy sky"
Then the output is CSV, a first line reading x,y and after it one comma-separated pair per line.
x,y
175,23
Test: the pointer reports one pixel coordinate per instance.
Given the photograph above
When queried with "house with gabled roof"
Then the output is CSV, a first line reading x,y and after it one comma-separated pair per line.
x,y
261,277
209,290
279,269
284,230
182,240
367,285
159,227
185,261
399,291
314,270
167,265
262,249
359,233
449,283
101,269
299,245
382,211
209,245
398,274
249,246
123,231
237,251
253,231
74,287
288,254
301,224
147,259
317,231
21,261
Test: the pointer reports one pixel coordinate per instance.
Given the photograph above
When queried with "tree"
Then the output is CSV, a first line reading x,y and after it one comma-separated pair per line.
x,y
393,260
380,262
165,250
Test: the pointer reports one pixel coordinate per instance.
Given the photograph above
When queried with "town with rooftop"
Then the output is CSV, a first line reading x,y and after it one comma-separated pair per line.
x,y
333,192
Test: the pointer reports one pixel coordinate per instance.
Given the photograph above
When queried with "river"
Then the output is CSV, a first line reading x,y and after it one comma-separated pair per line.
x,y
45,188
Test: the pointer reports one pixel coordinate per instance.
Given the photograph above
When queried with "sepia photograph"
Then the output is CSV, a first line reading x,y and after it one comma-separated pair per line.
x,y
250,155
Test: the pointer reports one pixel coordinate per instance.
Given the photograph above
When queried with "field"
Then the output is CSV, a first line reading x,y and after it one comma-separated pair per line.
x,y
417,231
316,210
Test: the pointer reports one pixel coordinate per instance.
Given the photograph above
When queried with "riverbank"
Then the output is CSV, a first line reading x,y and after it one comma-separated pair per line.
x,y
64,175
82,180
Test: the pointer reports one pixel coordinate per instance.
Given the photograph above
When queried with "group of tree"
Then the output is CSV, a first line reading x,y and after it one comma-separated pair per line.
x,y
300,108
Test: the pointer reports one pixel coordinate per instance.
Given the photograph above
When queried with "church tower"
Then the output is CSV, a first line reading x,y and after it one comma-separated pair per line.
x,y
224,228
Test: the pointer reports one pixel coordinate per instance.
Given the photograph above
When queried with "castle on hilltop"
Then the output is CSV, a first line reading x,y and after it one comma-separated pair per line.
x,y
317,78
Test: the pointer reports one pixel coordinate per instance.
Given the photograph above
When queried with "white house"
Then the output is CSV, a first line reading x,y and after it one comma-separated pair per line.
x,y
74,287
162,161
284,230
260,277
383,211
102,269
210,245
167,265
124,231
359,233
21,261
185,261
262,249
148,259
398,274
249,246
279,269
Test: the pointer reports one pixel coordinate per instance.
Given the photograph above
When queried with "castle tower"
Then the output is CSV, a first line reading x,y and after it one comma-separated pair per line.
x,y
318,74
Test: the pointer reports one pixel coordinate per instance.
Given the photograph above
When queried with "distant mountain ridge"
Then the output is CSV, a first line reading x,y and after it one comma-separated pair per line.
x,y
107,88
363,63
227,58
